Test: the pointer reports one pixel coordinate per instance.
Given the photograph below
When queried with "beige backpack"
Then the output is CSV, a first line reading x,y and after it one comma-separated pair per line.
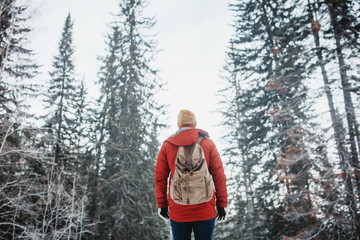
x,y
191,183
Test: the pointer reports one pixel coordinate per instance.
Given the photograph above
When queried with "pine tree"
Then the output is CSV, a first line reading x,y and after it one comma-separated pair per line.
x,y
14,59
339,130
61,98
17,67
107,81
16,64
341,23
273,147
289,114
23,167
64,144
248,68
124,152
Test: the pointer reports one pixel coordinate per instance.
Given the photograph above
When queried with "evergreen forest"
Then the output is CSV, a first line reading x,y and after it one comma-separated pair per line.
x,y
289,98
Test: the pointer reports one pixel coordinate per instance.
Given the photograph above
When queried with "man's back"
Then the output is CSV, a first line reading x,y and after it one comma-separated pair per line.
x,y
188,218
166,164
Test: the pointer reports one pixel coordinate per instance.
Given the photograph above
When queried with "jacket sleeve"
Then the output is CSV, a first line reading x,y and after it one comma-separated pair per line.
x,y
216,169
162,171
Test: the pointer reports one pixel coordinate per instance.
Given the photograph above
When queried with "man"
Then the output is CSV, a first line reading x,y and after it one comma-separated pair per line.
x,y
185,218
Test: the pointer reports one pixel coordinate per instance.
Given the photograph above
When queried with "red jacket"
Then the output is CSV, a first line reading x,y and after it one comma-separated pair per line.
x,y
165,164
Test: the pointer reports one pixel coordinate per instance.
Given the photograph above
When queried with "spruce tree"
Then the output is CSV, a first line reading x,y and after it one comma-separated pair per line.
x,y
17,66
247,69
61,99
285,31
14,58
319,23
270,126
341,22
64,143
124,152
23,166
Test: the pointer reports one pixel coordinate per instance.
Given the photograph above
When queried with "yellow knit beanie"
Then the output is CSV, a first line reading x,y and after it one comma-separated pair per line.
x,y
186,117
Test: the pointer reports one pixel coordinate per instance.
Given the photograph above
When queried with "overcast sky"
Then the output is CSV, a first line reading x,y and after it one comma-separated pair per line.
x,y
192,36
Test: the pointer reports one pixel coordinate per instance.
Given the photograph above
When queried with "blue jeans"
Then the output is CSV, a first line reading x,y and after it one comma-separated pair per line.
x,y
203,230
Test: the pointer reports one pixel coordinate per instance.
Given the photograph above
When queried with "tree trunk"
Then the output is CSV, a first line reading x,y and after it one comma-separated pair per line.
x,y
6,38
249,205
350,115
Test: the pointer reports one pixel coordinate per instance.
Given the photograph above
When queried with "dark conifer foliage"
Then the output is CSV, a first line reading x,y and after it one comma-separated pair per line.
x,y
32,204
333,32
277,152
341,27
292,166
17,66
63,101
342,23
124,160
14,59
64,142
21,169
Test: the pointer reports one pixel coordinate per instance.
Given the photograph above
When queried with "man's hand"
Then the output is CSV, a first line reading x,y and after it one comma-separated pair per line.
x,y
164,213
221,213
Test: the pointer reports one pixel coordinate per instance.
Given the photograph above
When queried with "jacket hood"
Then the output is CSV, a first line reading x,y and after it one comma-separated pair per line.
x,y
186,136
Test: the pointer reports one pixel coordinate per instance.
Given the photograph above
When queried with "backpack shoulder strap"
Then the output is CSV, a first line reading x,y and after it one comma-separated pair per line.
x,y
200,138
198,141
